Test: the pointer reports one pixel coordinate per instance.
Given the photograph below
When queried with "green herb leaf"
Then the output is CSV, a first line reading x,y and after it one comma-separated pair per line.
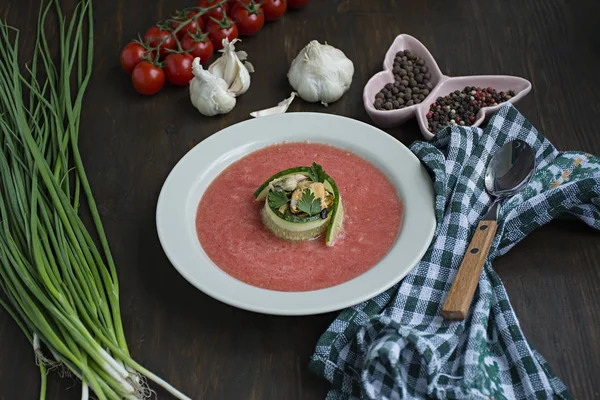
x,y
316,173
277,199
309,204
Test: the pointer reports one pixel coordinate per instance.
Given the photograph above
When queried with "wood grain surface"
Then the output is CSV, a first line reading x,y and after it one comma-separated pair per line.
x,y
130,143
457,303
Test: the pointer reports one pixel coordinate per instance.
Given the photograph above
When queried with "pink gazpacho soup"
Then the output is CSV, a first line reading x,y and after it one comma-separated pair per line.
x,y
229,227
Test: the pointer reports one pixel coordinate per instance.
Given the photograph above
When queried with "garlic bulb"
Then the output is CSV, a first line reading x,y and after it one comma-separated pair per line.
x,y
321,73
231,68
209,93
280,108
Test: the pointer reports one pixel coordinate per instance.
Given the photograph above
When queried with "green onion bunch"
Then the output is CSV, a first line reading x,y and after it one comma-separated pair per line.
x,y
58,285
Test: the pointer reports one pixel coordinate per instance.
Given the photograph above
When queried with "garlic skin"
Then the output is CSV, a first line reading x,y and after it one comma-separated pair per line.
x,y
280,108
230,68
209,93
321,72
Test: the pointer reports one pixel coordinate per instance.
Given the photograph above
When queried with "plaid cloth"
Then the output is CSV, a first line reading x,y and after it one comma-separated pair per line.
x,y
396,345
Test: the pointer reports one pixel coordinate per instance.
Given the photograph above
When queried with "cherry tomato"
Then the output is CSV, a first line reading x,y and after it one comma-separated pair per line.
x,y
198,46
216,13
178,69
247,2
155,35
218,31
192,27
147,78
248,18
296,3
131,55
274,9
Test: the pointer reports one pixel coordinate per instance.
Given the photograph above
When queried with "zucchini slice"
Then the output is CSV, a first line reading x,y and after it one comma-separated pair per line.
x,y
337,215
294,231
291,217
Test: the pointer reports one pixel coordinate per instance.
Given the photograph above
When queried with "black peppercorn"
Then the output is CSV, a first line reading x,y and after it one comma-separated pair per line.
x,y
411,83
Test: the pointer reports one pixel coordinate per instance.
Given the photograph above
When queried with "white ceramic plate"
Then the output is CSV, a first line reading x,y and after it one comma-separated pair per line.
x,y
183,189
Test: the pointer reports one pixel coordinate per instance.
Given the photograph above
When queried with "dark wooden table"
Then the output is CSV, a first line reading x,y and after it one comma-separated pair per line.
x,y
130,143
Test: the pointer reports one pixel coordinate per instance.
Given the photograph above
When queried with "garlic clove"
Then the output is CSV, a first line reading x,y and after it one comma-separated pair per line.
x,y
241,84
238,87
217,68
280,108
230,68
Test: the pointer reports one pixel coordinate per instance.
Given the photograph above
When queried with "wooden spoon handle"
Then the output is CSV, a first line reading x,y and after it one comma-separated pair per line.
x,y
461,293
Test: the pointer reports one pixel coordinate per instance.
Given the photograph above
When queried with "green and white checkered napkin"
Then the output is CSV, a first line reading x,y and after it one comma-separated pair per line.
x,y
396,345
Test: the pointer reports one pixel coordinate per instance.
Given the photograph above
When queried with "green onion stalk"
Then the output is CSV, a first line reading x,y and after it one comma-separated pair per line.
x,y
59,286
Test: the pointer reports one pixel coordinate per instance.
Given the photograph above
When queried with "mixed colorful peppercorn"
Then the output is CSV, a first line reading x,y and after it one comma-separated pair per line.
x,y
461,107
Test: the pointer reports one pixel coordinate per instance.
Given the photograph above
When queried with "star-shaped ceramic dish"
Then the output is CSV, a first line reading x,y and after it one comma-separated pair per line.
x,y
442,85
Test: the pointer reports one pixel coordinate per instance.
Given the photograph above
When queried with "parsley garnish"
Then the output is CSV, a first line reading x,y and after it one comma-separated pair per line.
x,y
309,204
277,199
316,173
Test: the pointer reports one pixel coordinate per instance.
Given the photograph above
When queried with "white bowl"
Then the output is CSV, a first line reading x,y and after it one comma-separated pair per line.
x,y
185,185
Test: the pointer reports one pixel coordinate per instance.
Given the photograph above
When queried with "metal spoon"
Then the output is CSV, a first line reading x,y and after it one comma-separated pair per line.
x,y
509,171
